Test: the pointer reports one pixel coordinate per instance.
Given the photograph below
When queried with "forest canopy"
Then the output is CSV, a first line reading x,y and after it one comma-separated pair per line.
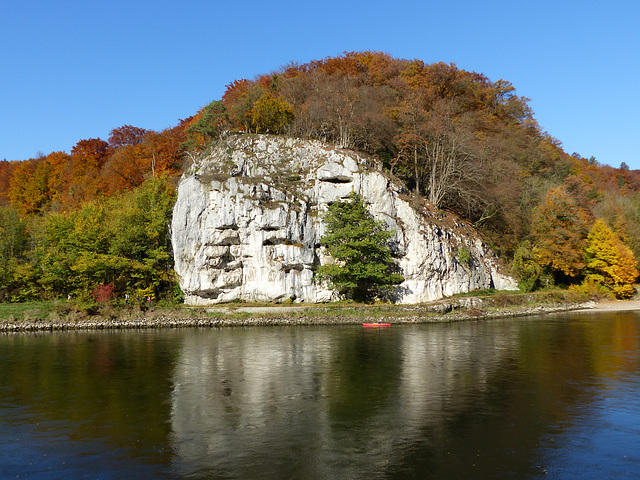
x,y
464,145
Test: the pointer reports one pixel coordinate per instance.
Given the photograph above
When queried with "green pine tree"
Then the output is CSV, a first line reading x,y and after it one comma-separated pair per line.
x,y
214,119
360,246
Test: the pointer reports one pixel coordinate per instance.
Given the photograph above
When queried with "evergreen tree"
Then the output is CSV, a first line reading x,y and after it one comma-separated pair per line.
x,y
359,245
208,128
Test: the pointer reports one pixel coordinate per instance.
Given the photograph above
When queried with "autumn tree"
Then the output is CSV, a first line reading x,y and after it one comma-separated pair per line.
x,y
125,169
89,155
125,166
239,99
338,95
164,151
452,167
29,186
270,114
58,165
609,262
411,115
23,191
126,135
6,171
84,180
559,230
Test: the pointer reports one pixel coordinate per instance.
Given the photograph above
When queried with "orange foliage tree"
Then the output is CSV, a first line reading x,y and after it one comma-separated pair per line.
x,y
89,155
83,179
559,230
36,185
6,171
126,135
28,190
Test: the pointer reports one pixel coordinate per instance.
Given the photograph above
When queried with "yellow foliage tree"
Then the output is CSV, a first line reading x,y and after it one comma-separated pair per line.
x,y
270,114
610,262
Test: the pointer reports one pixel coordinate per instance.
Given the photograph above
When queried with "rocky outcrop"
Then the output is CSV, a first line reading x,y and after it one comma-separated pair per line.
x,y
248,219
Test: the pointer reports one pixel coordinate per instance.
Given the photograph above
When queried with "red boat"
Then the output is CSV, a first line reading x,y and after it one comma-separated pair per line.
x,y
367,325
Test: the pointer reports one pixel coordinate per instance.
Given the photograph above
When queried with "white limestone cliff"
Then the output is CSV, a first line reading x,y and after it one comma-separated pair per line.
x,y
248,219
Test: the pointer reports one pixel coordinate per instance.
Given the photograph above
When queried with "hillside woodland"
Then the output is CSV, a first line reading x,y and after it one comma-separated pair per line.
x,y
92,223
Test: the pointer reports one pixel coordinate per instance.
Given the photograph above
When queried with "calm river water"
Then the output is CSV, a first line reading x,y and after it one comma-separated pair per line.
x,y
545,397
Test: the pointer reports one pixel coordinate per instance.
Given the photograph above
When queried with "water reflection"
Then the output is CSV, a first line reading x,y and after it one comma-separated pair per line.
x,y
342,403
84,403
513,398
248,400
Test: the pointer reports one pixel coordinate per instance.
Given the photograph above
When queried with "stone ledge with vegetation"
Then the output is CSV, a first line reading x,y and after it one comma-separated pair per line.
x,y
47,316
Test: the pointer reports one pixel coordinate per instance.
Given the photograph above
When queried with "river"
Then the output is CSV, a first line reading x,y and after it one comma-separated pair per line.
x,y
554,396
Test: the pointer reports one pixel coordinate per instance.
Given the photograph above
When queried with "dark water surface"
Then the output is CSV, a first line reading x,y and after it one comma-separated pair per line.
x,y
545,397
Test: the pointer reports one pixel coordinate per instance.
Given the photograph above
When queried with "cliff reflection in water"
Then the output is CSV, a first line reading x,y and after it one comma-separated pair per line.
x,y
327,402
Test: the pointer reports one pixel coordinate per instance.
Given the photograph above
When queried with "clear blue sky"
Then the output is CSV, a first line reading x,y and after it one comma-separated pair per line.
x,y
73,70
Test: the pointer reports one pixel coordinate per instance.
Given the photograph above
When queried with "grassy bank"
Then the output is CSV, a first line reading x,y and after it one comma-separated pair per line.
x,y
61,315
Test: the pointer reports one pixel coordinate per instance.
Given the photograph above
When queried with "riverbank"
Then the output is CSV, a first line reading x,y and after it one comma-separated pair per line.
x,y
464,308
619,305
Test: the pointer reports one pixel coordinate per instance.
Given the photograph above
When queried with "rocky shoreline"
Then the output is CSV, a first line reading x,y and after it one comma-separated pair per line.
x,y
306,316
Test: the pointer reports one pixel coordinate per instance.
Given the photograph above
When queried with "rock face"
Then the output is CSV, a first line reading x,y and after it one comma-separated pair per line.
x,y
248,219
